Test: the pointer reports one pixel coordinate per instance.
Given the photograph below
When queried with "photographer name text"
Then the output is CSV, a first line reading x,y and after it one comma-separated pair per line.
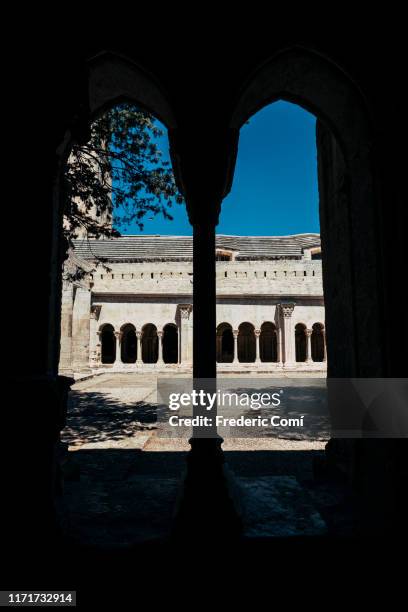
x,y
242,421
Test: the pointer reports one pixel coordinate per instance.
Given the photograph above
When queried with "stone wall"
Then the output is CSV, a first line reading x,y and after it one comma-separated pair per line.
x,y
160,293
280,277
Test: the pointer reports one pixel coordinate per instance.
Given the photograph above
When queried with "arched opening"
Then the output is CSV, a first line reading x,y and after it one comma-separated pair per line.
x,y
150,343
276,159
128,347
108,344
268,344
343,134
225,343
317,342
170,343
300,342
246,343
349,202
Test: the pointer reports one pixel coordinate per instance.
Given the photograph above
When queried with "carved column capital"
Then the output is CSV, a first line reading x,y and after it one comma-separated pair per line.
x,y
95,311
139,335
235,333
287,309
308,332
185,310
160,333
257,333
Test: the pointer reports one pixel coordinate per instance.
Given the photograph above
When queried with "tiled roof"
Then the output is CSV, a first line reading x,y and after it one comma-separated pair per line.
x,y
140,247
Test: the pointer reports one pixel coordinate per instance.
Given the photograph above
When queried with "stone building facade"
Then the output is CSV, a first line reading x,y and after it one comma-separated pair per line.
x,y
132,309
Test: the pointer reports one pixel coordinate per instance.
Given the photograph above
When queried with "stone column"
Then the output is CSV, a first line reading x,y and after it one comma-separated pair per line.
x,y
139,359
205,512
81,329
235,334
98,351
288,339
118,360
257,351
67,300
206,458
160,347
204,299
96,358
94,337
308,333
185,334
278,345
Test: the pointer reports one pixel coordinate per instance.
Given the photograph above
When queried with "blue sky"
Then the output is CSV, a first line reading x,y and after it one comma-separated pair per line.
x,y
274,191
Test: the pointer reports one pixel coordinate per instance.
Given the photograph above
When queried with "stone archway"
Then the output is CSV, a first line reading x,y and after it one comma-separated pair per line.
x,y
128,345
348,205
225,343
150,344
300,342
170,343
348,200
108,344
246,343
268,342
317,342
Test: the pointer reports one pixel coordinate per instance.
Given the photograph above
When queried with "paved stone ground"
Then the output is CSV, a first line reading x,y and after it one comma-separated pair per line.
x,y
121,480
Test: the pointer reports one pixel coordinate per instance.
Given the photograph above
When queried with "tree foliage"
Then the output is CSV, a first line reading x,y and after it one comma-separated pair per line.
x,y
120,171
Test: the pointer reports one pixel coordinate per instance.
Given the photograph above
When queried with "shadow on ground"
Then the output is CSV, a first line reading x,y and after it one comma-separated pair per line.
x,y
119,498
97,417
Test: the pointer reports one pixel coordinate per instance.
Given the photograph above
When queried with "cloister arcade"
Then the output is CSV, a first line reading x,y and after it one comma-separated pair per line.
x,y
129,345
246,344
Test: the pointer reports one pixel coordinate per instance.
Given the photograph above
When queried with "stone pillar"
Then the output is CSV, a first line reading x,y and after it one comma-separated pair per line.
x,y
81,329
94,337
204,299
185,334
235,334
205,512
98,352
278,345
308,333
139,359
257,351
160,347
205,460
67,301
288,338
118,360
